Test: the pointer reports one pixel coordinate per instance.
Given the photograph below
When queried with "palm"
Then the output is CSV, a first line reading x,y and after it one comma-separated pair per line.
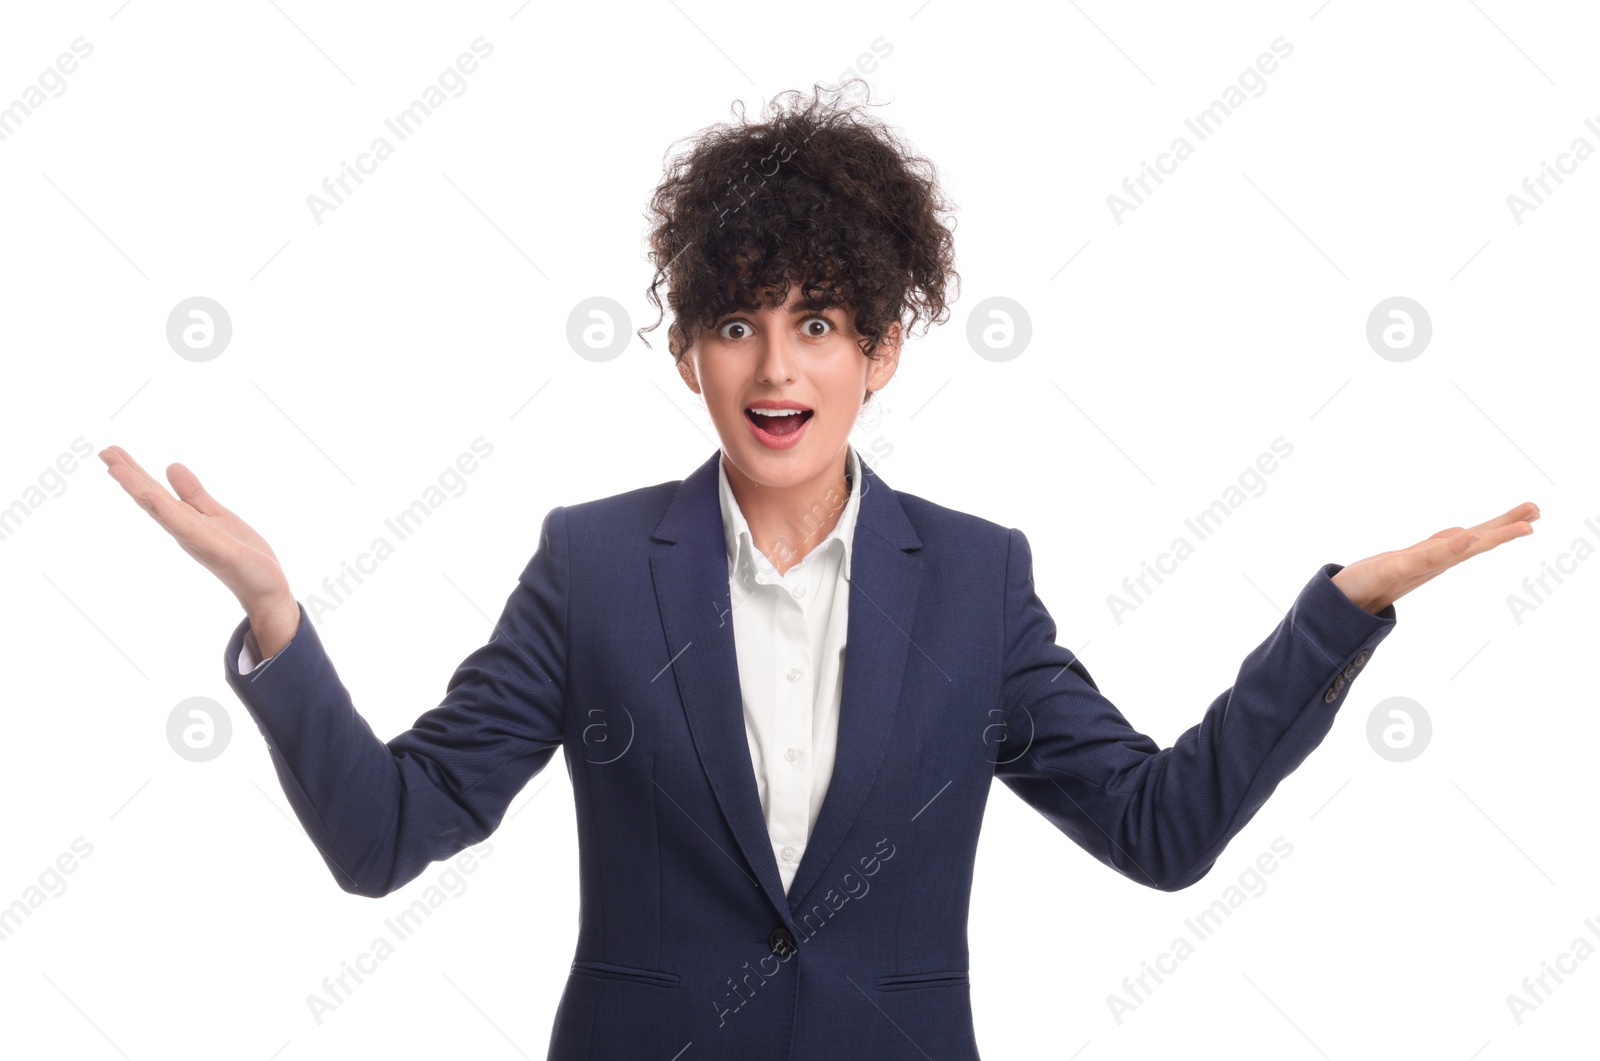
x,y
1377,581
222,542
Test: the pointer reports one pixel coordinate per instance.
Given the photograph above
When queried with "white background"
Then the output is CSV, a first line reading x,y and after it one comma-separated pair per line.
x,y
1168,351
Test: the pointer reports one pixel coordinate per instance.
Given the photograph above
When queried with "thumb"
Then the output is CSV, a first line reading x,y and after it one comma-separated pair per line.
x,y
187,485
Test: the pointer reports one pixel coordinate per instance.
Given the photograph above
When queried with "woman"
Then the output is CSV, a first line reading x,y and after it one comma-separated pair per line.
x,y
782,689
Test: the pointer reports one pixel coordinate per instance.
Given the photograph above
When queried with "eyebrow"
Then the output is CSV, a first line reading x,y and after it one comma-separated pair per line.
x,y
803,307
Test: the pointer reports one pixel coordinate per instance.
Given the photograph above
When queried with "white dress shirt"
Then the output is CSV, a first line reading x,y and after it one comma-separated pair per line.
x,y
789,636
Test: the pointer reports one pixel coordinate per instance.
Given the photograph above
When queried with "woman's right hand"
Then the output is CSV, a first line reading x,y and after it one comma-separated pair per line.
x,y
222,542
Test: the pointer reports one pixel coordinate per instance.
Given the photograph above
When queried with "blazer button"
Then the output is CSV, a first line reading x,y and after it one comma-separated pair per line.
x,y
781,941
1338,682
1350,671
1330,696
1361,660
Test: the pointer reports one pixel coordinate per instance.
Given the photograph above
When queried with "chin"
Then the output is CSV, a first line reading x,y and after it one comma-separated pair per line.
x,y
778,468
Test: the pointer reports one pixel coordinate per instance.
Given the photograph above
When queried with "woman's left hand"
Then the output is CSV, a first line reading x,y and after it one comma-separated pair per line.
x,y
1378,581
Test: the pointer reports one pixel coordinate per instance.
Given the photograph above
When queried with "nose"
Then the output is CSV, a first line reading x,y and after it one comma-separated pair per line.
x,y
776,356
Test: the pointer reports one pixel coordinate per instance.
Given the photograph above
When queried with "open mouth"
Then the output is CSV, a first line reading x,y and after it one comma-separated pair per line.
x,y
778,422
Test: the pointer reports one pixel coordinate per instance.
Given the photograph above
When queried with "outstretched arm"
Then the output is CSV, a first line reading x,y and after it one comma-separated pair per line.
x,y
381,812
1163,816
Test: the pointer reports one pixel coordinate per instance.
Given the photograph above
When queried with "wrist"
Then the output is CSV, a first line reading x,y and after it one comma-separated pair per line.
x,y
274,623
1365,603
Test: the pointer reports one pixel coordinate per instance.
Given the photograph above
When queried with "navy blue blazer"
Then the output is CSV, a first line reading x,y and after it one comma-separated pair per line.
x,y
616,646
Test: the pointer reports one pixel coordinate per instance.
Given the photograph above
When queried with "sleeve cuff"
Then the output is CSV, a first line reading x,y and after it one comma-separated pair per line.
x,y
1337,625
249,653
242,656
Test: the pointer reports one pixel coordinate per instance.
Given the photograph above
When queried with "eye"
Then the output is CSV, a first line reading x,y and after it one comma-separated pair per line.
x,y
806,325
722,329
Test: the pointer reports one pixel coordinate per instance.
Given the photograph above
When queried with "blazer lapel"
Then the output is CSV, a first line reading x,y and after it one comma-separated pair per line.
x,y
690,573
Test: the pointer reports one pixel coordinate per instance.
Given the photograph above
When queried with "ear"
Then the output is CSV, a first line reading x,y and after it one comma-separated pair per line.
x,y
686,371
888,359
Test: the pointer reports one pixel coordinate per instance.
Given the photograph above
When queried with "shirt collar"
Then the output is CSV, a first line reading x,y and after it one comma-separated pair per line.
x,y
736,530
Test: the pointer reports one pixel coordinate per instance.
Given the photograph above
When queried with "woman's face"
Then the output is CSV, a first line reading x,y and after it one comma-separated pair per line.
x,y
790,354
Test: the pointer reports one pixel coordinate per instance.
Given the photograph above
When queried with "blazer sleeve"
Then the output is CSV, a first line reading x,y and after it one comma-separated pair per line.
x,y
379,812
1162,816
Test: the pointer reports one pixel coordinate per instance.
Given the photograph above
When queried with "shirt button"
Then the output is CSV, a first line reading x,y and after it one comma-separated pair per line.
x,y
794,675
788,853
791,754
799,591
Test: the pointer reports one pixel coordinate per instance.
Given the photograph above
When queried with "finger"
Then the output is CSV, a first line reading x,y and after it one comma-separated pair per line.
x,y
131,481
1523,513
1446,533
187,484
1432,555
165,510
1429,557
1444,549
1499,535
1460,543
191,530
134,478
1473,542
115,455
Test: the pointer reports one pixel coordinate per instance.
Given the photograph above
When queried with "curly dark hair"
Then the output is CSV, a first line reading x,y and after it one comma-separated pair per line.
x,y
821,194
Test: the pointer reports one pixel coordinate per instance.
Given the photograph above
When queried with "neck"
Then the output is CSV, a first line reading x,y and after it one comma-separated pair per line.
x,y
786,523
